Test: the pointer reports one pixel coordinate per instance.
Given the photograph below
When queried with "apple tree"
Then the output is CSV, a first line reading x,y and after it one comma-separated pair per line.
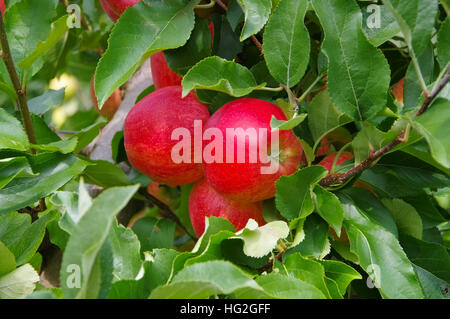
x,y
350,98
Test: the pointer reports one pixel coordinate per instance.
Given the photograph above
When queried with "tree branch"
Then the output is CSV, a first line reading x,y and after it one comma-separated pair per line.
x,y
167,211
336,179
20,92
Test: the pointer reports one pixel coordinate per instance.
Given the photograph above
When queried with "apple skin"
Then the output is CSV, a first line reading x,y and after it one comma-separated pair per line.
x,y
163,76
111,105
204,201
397,91
148,130
115,8
2,7
327,162
324,147
243,181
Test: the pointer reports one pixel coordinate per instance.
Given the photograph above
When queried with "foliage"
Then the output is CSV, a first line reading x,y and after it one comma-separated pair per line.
x,y
331,65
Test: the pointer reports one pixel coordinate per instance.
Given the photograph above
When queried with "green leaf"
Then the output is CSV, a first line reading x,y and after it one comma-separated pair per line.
x,y
87,135
23,237
307,270
341,273
105,174
431,257
388,28
88,238
156,273
154,233
58,29
283,287
380,254
329,208
286,42
18,283
260,241
54,169
27,25
12,168
412,89
197,48
226,41
433,125
373,208
63,146
443,44
256,15
406,217
12,134
315,242
358,74
126,252
220,75
205,279
213,225
416,20
293,197
41,104
157,26
182,210
370,138
7,260
323,117
289,124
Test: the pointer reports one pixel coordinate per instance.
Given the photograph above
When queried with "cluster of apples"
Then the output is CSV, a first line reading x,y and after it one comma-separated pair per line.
x,y
230,189
233,189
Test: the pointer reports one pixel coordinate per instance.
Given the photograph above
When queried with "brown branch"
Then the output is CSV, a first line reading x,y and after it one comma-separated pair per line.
x,y
222,5
167,211
20,91
336,179
269,264
257,43
435,93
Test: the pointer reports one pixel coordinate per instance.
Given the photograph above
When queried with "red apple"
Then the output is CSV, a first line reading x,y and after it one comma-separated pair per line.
x,y
324,147
111,105
2,7
162,74
115,8
328,161
204,201
148,135
243,179
397,91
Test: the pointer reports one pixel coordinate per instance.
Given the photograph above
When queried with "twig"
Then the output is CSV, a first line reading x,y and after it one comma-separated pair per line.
x,y
167,211
20,92
257,43
222,5
435,93
269,264
336,179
